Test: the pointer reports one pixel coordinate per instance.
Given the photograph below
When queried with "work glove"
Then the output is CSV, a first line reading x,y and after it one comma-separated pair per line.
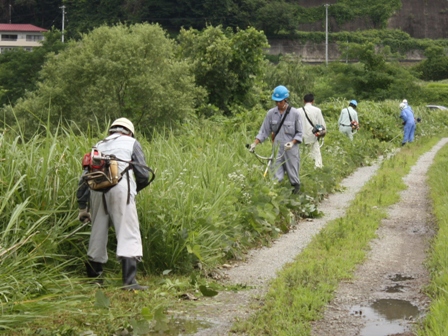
x,y
84,216
252,147
289,145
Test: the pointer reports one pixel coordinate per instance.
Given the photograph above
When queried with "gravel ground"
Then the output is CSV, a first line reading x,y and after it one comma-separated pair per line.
x,y
399,250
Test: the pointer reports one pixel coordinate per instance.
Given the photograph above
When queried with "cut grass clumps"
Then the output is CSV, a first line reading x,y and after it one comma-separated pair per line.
x,y
301,291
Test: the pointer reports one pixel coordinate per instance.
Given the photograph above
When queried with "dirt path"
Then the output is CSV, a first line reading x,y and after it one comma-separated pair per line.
x,y
393,273
385,295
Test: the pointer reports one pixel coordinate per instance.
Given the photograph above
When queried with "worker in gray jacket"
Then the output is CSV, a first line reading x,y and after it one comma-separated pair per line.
x,y
286,138
348,120
116,205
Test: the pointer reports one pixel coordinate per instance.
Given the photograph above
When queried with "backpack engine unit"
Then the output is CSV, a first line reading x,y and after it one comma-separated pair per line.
x,y
100,171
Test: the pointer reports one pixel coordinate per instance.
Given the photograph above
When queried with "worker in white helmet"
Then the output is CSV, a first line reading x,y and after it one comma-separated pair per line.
x,y
116,205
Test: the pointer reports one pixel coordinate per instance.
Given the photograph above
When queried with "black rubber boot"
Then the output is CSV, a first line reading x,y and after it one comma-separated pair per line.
x,y
129,270
296,189
95,270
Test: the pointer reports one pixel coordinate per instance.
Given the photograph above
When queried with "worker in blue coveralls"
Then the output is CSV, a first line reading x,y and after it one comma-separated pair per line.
x,y
287,137
407,115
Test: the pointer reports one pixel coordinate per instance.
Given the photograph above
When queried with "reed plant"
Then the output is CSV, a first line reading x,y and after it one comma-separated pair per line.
x,y
39,234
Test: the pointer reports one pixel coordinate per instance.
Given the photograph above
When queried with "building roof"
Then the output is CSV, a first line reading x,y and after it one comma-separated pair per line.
x,y
18,27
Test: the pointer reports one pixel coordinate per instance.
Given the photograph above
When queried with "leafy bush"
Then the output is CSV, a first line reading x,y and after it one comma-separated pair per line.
x,y
435,67
225,64
292,73
113,72
19,68
398,40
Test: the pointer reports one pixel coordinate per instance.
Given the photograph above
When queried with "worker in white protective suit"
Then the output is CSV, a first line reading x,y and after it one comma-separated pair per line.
x,y
116,205
312,117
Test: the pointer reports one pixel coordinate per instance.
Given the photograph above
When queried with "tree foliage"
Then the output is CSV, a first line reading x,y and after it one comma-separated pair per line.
x,y
276,17
292,73
19,69
371,78
115,72
435,67
225,63
273,16
343,11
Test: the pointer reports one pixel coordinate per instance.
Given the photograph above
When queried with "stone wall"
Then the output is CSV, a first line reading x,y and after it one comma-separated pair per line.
x,y
419,18
315,52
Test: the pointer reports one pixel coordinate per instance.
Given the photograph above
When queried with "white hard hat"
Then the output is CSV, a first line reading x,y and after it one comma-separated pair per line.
x,y
402,105
123,122
405,101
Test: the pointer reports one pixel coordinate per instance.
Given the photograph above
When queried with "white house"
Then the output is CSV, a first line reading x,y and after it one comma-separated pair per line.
x,y
14,35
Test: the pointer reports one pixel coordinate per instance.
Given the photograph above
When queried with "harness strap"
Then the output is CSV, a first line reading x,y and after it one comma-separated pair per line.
x,y
281,123
349,115
306,115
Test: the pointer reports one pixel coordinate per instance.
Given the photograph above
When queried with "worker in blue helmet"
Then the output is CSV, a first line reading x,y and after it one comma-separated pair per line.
x,y
348,120
283,126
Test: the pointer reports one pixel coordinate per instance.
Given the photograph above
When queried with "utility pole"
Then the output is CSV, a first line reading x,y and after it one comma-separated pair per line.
x,y
326,34
63,21
9,13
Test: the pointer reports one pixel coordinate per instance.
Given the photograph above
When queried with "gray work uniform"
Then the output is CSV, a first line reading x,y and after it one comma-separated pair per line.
x,y
114,206
290,130
344,121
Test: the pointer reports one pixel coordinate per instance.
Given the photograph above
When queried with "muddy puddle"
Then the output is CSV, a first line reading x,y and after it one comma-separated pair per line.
x,y
386,317
400,277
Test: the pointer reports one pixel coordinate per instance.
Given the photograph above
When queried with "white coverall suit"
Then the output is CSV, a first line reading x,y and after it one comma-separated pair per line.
x,y
122,214
315,115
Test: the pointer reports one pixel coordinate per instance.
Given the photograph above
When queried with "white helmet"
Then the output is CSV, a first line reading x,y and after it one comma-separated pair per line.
x,y
405,101
123,122
402,106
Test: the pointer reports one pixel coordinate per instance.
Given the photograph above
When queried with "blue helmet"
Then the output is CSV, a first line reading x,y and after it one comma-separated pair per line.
x,y
354,103
280,93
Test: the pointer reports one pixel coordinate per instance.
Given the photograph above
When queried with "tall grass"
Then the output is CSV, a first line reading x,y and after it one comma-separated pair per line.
x,y
38,229
209,201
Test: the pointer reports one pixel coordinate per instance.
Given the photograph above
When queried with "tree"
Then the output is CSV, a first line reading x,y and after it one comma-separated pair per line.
x,y
277,16
435,66
225,63
19,68
374,78
291,73
115,72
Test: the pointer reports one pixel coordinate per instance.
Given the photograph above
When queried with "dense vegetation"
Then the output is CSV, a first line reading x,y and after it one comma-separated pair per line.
x,y
271,16
208,204
196,101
